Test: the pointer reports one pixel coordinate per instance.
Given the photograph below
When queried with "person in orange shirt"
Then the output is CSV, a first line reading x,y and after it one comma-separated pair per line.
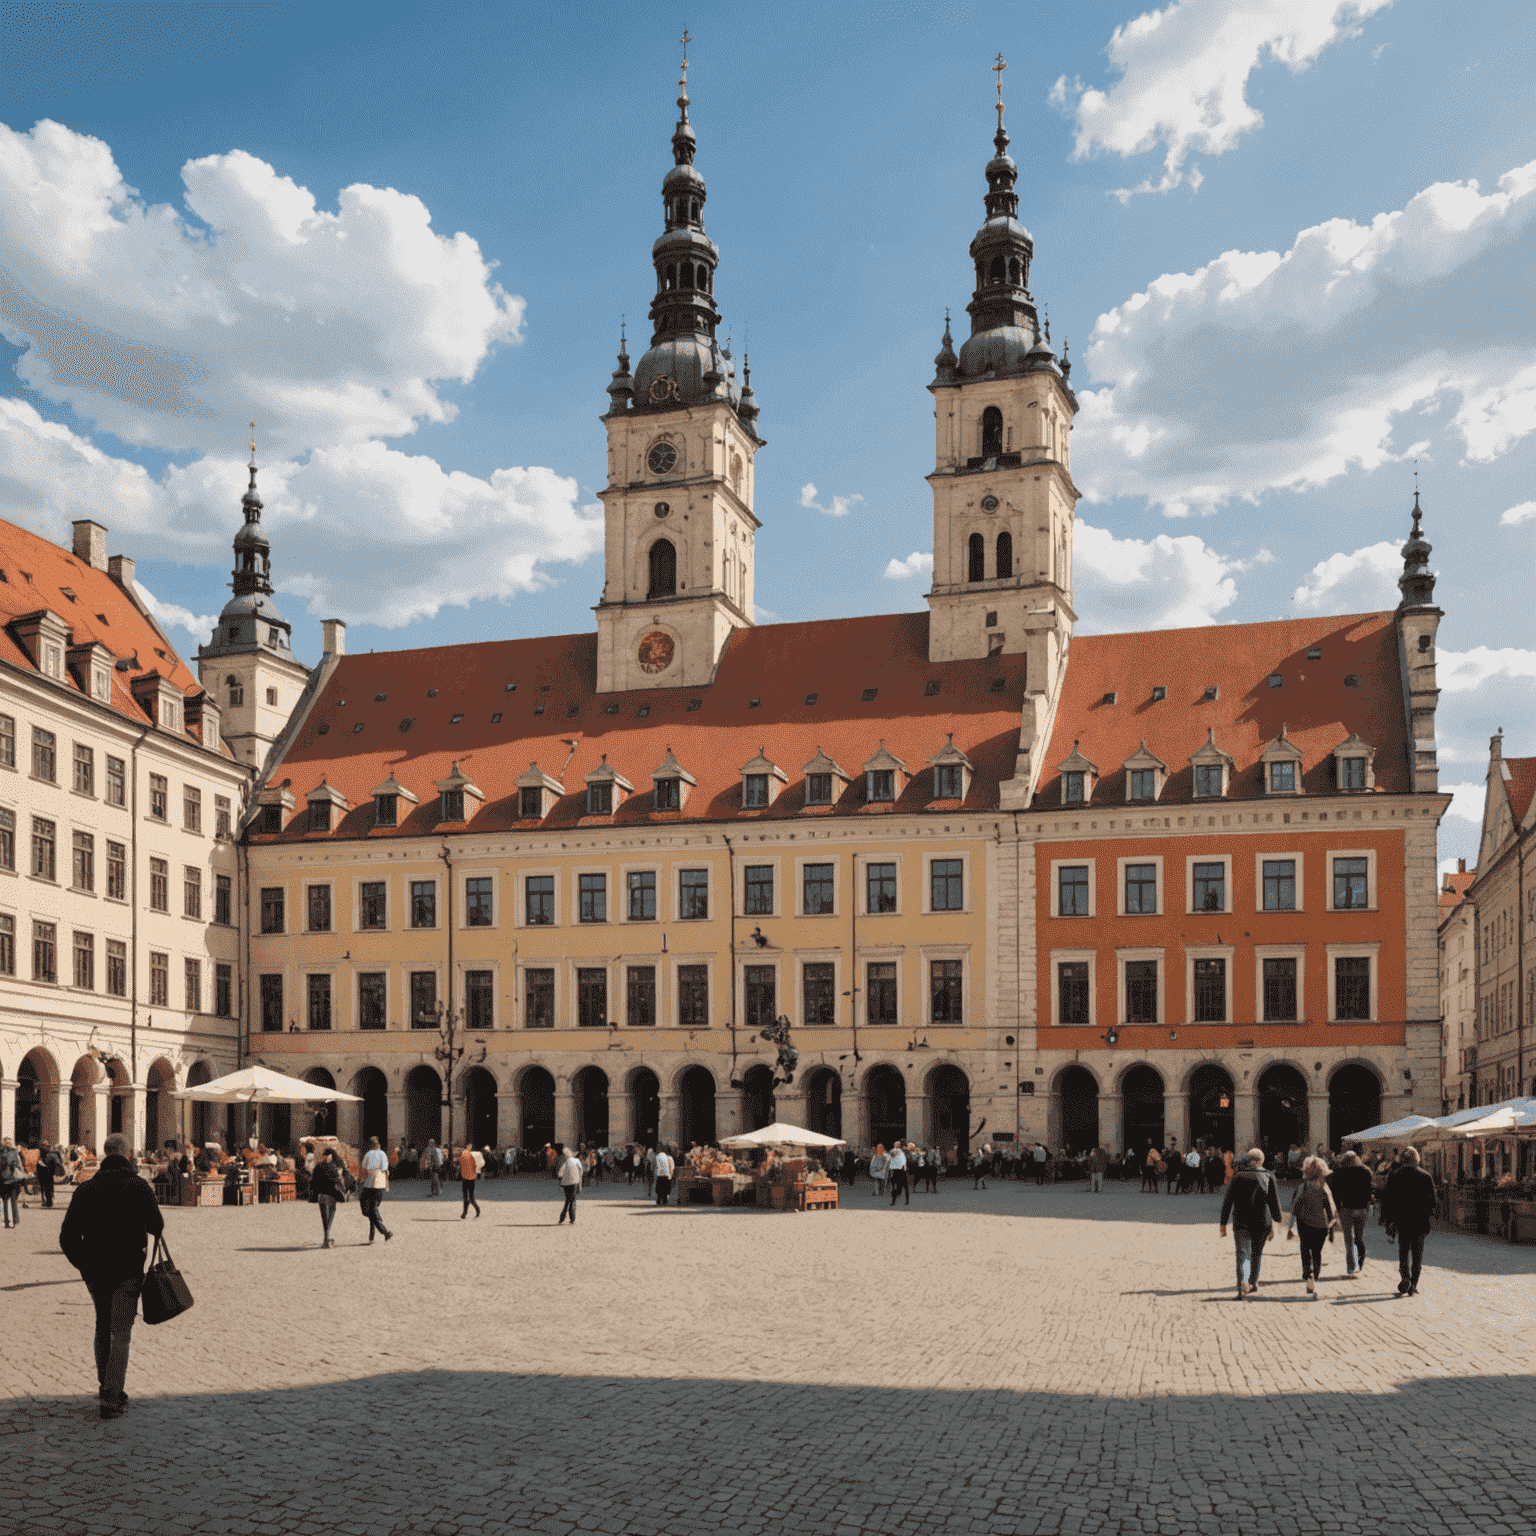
x,y
470,1164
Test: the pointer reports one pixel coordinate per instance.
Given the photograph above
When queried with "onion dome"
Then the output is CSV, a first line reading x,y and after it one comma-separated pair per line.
x,y
622,386
1417,583
747,407
945,363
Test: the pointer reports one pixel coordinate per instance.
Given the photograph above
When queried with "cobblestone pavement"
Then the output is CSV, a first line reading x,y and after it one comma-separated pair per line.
x,y
1014,1360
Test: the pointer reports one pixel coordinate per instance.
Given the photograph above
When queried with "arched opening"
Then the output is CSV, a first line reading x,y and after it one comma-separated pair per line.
x,y
1354,1102
480,1107
29,1104
1141,1093
536,1108
1211,1097
591,1093
686,273
323,1122
423,1106
693,213
702,282
202,1114
824,1102
117,1074
1004,555
274,1125
757,1098
663,563
672,276
1079,1095
80,1080
158,1116
949,1098
991,432
696,1108
995,271
885,1091
976,564
1283,1117
1015,275
644,1106
372,1087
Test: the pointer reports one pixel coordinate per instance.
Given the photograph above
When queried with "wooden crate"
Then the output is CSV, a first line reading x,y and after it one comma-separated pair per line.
x,y
819,1197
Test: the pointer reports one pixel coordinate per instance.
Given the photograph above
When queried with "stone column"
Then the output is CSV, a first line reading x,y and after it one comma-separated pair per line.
x,y
1112,1123
8,1107
1317,1119
1176,1118
918,1128
728,1120
349,1123
60,1115
1053,1125
508,1132
99,1105
133,1115
396,1119
790,1107
666,1125
855,1118
565,1113
1245,1120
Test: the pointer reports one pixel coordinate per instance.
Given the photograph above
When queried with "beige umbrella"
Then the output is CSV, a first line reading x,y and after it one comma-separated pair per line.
x,y
781,1135
261,1085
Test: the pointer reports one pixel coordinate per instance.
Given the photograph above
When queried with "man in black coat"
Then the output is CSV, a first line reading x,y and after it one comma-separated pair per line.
x,y
1252,1202
105,1235
1408,1204
1351,1186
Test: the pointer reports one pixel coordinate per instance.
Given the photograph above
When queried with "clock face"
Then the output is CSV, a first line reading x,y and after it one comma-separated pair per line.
x,y
662,458
661,389
662,509
655,651
989,503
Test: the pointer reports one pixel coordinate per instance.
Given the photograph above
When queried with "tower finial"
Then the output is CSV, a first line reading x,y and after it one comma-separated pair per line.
x,y
1002,133
682,84
252,465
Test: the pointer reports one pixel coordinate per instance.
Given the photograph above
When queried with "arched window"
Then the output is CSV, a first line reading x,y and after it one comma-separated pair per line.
x,y
703,282
693,213
1004,555
978,559
687,274
1013,271
671,277
663,569
996,273
991,432
236,692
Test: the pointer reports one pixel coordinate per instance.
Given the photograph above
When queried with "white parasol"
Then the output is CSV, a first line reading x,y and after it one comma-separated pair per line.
x,y
261,1085
1493,1120
781,1135
1409,1128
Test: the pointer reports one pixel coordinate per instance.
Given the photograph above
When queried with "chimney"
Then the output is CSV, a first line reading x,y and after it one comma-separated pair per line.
x,y
1461,866
120,569
335,632
90,543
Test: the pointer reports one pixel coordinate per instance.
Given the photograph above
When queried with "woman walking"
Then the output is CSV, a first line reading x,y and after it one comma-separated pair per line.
x,y
1150,1171
375,1185
877,1167
328,1182
1314,1216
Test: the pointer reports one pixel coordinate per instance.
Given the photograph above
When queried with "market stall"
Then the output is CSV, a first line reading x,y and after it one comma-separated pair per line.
x,y
771,1167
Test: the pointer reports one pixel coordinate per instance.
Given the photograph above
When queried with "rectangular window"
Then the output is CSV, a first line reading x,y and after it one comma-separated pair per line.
x,y
272,1005
667,795
85,961
319,989
117,968
44,754
7,945
818,789
693,996
159,980
191,891
531,803
948,782
159,885
1141,991
7,839
591,997
947,878
1280,991
1351,773
1352,987
7,741
83,866
1349,884
453,805
1072,890
372,907
599,799
945,982
272,909
1072,788
693,893
1143,783
880,992
117,871
223,899
44,845
85,770
423,903
117,781
317,901
159,794
539,999
269,819
477,902
642,895
817,881
479,1000
371,994
754,791
758,891
820,992
319,816
1210,991
191,809
540,900
224,990
423,999
1282,778
880,887
1208,781
1210,892
640,999
1140,888
1072,986
386,810
1279,885
221,814
592,893
761,995
193,979
882,784
45,952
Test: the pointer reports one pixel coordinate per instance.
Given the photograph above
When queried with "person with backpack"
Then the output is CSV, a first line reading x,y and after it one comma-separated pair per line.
x,y
13,1175
328,1186
1314,1216
1407,1205
375,1185
1350,1182
434,1169
50,1166
568,1171
1252,1201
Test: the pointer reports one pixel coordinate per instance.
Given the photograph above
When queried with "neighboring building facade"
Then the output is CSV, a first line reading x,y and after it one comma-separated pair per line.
x,y
119,874
1458,990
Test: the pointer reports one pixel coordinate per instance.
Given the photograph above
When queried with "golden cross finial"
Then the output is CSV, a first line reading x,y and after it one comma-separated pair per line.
x,y
253,442
997,69
684,81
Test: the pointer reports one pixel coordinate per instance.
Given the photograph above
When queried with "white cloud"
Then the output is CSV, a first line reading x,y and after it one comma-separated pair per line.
x,y
1465,671
174,616
1523,513
1184,76
841,505
1158,583
1363,582
1266,370
918,563
1466,801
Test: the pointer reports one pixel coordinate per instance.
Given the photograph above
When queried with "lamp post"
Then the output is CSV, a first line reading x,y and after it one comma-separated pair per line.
x,y
448,1022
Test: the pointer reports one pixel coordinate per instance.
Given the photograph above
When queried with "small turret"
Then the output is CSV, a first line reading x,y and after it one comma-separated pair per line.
x,y
1417,583
621,388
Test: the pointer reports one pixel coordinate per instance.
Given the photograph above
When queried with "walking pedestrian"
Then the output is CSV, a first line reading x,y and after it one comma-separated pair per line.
x,y
328,1183
50,1166
979,1167
1314,1216
13,1175
569,1173
1150,1169
470,1164
878,1164
896,1174
1173,1164
434,1168
105,1235
1351,1186
375,1185
1041,1159
662,1166
1098,1166
648,1169
1407,1204
1252,1201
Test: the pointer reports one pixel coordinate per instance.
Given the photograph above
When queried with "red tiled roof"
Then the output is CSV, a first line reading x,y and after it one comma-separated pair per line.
x,y
1313,702
757,700
1453,891
1520,785
36,574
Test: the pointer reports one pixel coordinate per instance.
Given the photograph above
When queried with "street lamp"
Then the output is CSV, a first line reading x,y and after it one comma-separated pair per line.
x,y
448,1022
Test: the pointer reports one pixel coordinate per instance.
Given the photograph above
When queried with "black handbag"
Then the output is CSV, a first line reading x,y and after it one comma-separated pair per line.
x,y
165,1294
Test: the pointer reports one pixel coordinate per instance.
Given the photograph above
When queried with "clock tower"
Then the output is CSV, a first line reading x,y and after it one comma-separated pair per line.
x,y
682,440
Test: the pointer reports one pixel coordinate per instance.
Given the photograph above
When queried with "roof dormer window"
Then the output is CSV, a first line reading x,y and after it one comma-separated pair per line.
x,y
1354,764
1078,776
884,775
324,799
459,796
386,802
1145,776
1073,789
952,772
536,793
1280,763
1212,767
606,789
761,781
670,784
824,779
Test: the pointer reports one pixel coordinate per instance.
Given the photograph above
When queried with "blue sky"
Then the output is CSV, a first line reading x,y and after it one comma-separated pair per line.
x,y
403,238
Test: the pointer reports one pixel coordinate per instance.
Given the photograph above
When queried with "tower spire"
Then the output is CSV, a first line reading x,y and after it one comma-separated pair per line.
x,y
1417,583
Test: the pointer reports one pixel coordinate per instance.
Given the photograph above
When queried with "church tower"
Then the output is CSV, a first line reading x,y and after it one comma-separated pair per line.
x,y
249,666
682,438
1003,497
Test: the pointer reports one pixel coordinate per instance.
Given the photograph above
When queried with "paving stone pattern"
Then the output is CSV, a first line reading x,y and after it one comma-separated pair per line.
x,y
1014,1360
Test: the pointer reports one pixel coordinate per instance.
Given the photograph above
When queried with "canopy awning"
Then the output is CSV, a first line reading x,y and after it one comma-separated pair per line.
x,y
1409,1128
261,1085
781,1135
